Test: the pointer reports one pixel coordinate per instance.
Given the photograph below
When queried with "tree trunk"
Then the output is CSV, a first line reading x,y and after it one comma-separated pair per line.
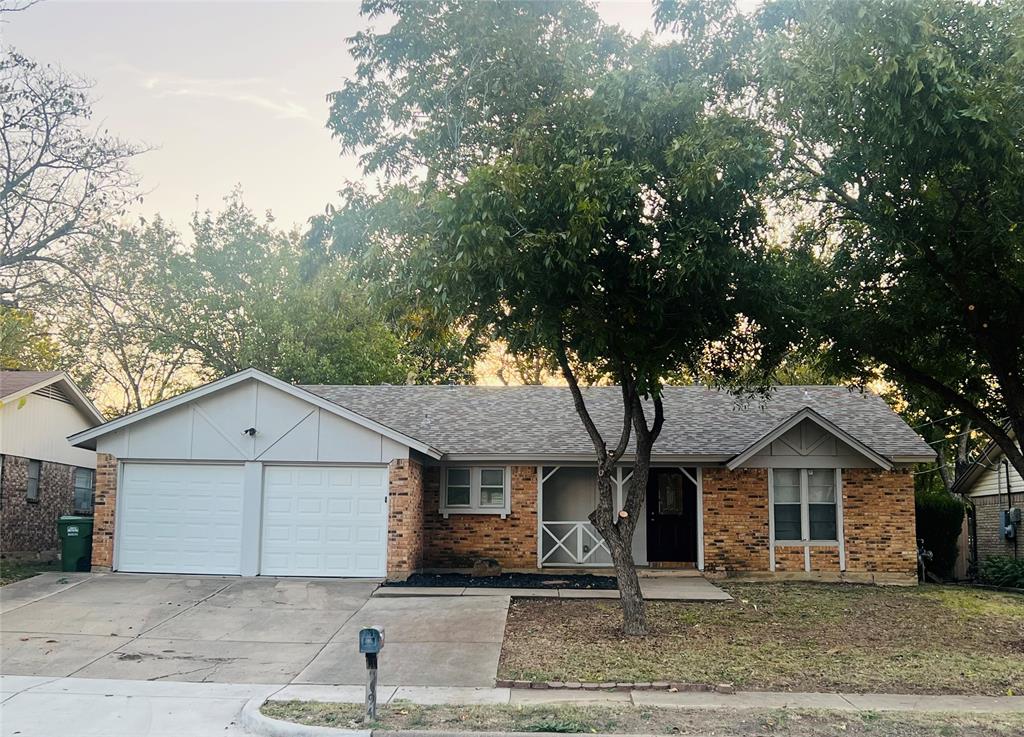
x,y
617,532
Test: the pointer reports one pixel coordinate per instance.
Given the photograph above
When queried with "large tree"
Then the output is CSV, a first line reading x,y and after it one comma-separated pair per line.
x,y
61,179
903,123
599,204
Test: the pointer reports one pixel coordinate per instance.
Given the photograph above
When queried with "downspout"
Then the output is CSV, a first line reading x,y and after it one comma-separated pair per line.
x,y
1009,501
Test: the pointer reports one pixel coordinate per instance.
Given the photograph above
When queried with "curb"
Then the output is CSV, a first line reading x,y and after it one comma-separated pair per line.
x,y
253,721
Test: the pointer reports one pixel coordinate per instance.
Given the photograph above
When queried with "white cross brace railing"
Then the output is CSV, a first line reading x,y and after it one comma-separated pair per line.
x,y
571,537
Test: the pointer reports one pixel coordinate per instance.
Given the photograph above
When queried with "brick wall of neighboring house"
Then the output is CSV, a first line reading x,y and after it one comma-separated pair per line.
x,y
457,541
30,527
735,519
406,518
105,501
990,527
878,518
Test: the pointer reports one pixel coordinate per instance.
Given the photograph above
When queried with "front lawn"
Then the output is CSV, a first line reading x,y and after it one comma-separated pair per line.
x,y
16,570
629,719
783,636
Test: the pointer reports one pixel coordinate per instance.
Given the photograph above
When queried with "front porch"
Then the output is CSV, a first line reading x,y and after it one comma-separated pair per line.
x,y
669,535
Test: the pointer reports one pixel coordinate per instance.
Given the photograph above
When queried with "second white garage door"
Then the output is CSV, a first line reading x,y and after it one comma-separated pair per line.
x,y
324,521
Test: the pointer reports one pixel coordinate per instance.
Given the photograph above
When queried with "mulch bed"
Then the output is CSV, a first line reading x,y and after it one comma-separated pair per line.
x,y
510,581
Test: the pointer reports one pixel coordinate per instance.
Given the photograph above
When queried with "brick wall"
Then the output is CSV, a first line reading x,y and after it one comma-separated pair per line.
x,y
457,541
28,527
990,528
790,558
735,519
405,517
105,501
878,517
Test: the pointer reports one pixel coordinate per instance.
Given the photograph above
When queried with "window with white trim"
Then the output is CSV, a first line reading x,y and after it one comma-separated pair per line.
x,y
804,505
475,490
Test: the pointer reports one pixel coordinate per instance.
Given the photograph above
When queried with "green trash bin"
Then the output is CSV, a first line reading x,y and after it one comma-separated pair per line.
x,y
75,542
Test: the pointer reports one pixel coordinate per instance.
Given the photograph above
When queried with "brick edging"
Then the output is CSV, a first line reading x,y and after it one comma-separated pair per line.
x,y
670,686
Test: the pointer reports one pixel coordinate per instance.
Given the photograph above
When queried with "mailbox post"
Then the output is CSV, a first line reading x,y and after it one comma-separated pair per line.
x,y
371,642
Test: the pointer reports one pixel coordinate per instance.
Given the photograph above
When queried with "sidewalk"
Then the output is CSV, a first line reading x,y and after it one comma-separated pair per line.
x,y
88,707
683,699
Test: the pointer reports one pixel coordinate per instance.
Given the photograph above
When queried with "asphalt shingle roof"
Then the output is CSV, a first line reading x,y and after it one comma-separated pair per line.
x,y
12,382
539,420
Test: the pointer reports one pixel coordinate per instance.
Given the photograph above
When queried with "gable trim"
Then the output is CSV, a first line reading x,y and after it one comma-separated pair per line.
x,y
88,436
795,419
78,399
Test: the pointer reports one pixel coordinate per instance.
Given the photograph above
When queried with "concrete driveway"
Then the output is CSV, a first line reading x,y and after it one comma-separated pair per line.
x,y
242,630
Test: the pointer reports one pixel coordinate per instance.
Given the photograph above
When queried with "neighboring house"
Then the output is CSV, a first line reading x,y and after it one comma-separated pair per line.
x,y
991,485
41,475
250,475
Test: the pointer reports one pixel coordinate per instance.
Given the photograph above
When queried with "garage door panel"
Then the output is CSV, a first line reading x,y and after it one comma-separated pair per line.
x,y
324,522
180,518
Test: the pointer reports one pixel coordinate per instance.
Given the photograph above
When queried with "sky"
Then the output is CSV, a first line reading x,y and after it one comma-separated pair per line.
x,y
226,94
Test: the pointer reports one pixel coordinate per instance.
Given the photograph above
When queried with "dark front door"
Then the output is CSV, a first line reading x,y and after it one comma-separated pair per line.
x,y
671,516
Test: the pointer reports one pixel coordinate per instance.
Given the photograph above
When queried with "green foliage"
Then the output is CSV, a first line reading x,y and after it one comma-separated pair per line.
x,y
443,88
940,516
901,131
1003,571
24,343
236,298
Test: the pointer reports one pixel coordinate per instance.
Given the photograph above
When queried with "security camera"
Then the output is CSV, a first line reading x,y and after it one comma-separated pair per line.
x,y
251,431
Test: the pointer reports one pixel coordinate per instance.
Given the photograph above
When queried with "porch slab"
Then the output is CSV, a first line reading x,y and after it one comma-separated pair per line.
x,y
686,587
681,588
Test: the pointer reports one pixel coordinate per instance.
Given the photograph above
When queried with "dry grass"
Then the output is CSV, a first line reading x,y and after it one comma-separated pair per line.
x,y
11,571
629,719
784,636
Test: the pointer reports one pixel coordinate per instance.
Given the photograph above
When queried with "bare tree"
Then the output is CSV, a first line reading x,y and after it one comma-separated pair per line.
x,y
62,180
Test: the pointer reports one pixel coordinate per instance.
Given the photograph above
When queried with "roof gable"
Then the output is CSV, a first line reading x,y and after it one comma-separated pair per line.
x,y
209,393
57,385
809,415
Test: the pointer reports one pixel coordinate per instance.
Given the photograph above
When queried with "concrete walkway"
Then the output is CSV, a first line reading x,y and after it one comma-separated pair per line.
x,y
681,699
655,588
94,707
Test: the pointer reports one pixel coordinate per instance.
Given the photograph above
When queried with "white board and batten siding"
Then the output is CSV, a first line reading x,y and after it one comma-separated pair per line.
x,y
305,496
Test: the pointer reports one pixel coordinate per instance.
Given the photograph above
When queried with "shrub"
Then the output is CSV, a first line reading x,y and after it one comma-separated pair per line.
x,y
940,516
1002,571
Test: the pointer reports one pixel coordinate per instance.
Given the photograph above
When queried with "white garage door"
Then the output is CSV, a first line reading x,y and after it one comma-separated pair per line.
x,y
180,518
324,521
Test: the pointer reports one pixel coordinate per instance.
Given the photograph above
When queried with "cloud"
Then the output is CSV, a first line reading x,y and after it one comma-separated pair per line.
x,y
255,91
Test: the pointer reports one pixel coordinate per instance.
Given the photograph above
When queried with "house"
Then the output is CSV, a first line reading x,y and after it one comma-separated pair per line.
x,y
250,475
41,475
992,487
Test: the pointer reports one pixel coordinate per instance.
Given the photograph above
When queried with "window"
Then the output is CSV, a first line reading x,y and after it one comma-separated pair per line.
x,y
84,482
670,493
475,490
492,487
458,492
787,504
35,471
804,504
